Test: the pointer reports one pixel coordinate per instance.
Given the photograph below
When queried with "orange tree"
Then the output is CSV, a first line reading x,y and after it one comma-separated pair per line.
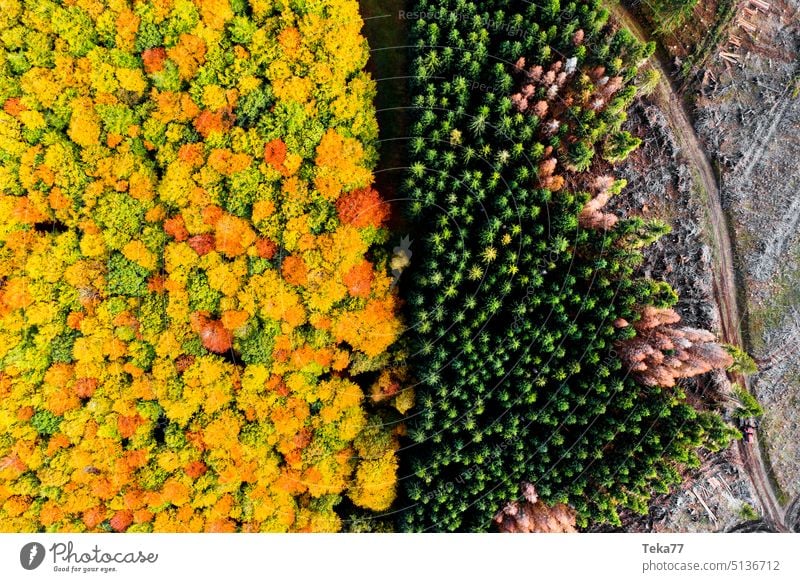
x,y
190,267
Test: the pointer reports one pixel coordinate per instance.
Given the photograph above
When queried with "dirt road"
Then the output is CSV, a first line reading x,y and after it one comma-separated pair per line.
x,y
724,278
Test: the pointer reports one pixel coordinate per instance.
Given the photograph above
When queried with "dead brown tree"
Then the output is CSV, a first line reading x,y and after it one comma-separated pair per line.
x,y
663,352
529,515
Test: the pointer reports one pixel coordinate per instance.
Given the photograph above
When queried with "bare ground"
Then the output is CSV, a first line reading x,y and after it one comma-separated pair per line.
x,y
750,117
661,185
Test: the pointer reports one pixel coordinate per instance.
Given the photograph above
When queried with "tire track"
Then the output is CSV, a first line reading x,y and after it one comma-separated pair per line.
x,y
760,141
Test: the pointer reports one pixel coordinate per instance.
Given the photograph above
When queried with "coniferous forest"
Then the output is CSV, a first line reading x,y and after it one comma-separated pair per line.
x,y
520,305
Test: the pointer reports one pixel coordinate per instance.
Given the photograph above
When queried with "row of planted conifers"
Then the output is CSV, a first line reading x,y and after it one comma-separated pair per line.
x,y
200,323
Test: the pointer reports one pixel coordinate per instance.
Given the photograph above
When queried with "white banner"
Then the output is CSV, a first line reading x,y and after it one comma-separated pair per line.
x,y
397,557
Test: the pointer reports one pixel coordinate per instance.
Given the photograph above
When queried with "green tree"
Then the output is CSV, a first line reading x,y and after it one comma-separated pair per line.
x,y
742,361
748,406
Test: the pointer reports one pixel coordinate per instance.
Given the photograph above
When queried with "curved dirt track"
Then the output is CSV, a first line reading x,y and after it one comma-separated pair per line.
x,y
724,280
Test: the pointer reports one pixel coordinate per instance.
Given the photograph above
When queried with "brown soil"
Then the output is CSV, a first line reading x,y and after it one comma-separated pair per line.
x,y
749,117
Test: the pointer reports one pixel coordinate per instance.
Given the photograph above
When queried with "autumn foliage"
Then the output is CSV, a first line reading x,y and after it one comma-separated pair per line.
x,y
663,352
183,273
362,207
530,515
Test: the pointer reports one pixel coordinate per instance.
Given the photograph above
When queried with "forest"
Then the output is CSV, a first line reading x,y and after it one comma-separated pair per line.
x,y
201,326
191,268
542,356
